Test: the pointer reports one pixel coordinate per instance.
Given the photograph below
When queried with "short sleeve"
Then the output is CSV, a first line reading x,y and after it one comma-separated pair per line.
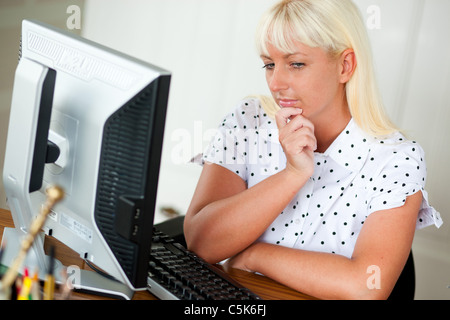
x,y
230,145
402,174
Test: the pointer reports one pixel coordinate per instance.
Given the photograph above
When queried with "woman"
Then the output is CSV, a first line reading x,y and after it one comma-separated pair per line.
x,y
318,188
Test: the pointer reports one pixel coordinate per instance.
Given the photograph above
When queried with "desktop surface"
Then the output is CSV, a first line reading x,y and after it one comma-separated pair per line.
x,y
266,288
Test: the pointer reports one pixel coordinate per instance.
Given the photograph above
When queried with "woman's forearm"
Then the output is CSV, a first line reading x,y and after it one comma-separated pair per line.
x,y
319,274
323,275
227,226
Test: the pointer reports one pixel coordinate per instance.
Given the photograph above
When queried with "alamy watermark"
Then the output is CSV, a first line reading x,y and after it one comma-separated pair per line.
x,y
228,146
73,277
374,17
74,19
373,21
374,280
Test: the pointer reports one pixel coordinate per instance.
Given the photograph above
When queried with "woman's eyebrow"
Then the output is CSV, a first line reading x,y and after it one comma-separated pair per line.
x,y
286,56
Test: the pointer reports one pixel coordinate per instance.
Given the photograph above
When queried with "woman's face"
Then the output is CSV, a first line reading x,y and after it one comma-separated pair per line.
x,y
308,79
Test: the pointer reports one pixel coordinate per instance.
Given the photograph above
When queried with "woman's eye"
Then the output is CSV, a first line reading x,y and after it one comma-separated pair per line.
x,y
269,66
297,65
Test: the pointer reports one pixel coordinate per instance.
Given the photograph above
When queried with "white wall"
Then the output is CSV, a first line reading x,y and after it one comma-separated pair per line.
x,y
208,46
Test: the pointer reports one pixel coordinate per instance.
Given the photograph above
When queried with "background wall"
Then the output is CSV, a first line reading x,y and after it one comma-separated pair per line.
x,y
12,12
208,46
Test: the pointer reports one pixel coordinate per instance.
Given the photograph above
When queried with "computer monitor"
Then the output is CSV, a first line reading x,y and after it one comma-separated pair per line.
x,y
91,120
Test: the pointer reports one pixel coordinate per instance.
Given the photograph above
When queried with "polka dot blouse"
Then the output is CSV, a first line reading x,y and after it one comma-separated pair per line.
x,y
355,176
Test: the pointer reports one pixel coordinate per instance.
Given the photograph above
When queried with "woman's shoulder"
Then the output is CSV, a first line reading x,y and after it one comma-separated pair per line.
x,y
398,171
396,146
396,159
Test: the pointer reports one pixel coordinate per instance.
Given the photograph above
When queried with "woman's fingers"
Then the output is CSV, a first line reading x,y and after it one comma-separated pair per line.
x,y
296,135
283,116
295,129
296,141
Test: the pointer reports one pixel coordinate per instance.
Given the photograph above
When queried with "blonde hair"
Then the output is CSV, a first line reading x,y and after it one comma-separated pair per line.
x,y
333,25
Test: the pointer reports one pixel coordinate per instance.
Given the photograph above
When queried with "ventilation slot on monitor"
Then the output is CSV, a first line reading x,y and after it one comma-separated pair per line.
x,y
123,164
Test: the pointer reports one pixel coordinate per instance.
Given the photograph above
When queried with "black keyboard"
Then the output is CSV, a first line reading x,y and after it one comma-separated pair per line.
x,y
178,274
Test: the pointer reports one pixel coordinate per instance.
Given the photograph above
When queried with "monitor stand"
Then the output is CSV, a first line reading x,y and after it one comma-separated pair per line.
x,y
82,280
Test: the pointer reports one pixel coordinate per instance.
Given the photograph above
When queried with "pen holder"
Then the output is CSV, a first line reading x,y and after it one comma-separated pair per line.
x,y
54,195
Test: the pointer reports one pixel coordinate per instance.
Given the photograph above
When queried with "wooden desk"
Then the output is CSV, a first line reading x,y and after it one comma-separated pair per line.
x,y
262,286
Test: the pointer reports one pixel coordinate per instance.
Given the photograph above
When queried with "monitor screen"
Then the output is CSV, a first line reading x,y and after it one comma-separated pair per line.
x,y
90,120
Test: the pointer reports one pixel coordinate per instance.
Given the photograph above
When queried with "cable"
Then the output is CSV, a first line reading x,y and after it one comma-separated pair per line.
x,y
100,272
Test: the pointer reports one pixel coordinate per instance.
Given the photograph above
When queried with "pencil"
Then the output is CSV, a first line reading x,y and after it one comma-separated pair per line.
x,y
49,284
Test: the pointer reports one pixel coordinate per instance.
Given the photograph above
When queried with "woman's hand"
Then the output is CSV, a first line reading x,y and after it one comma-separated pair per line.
x,y
240,260
296,135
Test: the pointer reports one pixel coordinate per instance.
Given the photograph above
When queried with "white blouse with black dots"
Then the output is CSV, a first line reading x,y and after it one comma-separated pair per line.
x,y
355,176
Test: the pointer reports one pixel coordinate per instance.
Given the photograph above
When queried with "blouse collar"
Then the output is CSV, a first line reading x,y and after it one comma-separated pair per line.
x,y
350,149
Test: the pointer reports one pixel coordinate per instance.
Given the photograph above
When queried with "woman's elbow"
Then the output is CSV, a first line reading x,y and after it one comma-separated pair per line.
x,y
366,292
196,243
202,250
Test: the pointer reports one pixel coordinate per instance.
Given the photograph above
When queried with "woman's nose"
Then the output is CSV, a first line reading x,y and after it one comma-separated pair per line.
x,y
277,81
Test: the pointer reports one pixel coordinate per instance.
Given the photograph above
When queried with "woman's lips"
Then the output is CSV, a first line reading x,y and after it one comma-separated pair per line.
x,y
287,102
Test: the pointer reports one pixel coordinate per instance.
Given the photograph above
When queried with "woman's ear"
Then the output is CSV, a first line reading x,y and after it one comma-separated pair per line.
x,y
348,64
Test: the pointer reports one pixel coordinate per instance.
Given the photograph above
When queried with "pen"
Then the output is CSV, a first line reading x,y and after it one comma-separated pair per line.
x,y
2,249
24,293
49,285
35,288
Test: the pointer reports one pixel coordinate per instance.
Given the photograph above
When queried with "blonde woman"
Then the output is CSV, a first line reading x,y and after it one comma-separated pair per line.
x,y
313,187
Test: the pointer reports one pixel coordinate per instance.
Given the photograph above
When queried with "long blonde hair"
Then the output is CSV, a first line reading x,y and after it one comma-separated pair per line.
x,y
333,25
